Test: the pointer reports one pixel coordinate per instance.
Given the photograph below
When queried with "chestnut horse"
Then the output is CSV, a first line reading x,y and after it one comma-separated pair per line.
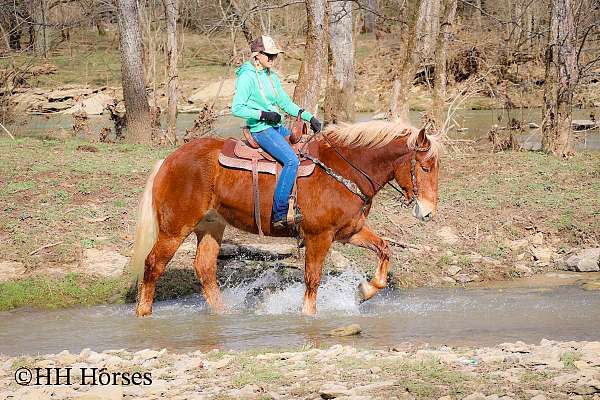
x,y
191,192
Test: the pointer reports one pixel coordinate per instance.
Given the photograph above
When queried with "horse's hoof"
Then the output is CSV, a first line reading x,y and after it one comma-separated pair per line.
x,y
366,291
143,311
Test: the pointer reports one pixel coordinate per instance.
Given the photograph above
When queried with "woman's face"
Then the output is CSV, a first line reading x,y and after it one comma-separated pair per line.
x,y
266,60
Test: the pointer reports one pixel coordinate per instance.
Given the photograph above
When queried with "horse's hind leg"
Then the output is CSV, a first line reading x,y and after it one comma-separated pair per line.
x,y
367,239
156,262
209,233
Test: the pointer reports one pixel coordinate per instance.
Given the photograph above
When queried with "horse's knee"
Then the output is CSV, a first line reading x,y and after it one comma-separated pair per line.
x,y
384,250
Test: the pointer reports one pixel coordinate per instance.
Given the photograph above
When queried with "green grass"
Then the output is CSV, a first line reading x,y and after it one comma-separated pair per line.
x,y
568,358
254,372
72,289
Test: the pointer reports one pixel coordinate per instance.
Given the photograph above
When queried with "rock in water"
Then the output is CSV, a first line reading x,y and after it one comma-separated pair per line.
x,y
349,330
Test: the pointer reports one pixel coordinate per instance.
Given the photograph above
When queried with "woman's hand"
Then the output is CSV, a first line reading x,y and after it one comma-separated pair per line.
x,y
315,125
270,117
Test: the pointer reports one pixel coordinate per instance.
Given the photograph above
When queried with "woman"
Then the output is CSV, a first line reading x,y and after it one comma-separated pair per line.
x,y
260,100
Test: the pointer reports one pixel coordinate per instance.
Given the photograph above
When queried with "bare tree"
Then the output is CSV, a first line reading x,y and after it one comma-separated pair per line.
x,y
308,87
403,80
39,12
339,94
171,13
132,70
446,19
560,80
370,22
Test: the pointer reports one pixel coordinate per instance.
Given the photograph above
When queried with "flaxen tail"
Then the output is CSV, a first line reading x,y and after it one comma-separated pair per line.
x,y
146,229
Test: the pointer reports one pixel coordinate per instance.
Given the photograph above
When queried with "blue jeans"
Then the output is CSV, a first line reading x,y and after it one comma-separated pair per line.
x,y
272,140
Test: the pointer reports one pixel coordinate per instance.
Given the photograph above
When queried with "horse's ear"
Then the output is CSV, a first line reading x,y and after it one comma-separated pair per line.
x,y
422,140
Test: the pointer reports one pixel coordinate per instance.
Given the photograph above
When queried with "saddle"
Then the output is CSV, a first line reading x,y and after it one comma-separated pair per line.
x,y
238,154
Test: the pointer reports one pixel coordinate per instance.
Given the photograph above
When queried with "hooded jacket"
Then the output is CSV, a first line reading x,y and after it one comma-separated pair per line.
x,y
248,100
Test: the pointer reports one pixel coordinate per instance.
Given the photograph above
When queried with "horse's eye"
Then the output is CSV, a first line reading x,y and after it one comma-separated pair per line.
x,y
425,169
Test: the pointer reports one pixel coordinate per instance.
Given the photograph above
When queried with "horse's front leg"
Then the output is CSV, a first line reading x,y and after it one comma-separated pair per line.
x,y
369,240
317,247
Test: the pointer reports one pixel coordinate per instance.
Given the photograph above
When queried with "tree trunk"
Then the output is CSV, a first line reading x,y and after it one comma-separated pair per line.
x,y
339,94
308,88
370,18
561,78
171,14
427,29
39,13
399,106
132,71
477,14
446,20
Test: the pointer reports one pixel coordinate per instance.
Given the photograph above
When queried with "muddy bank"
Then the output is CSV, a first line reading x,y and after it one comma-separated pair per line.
x,y
547,370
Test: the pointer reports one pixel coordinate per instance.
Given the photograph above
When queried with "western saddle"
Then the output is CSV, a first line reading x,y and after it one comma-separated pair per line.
x,y
241,154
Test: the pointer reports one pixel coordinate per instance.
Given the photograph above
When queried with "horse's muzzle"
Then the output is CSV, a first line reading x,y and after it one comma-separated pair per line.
x,y
422,212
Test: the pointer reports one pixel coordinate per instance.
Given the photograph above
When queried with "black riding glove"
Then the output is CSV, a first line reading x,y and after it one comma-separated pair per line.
x,y
270,117
315,125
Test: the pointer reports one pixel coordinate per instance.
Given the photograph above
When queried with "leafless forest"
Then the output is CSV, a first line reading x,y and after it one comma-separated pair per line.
x,y
346,54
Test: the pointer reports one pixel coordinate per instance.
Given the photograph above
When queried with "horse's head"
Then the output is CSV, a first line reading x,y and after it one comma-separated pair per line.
x,y
417,174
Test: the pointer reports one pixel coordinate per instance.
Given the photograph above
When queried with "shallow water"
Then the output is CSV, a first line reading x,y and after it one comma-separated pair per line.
x,y
477,124
261,318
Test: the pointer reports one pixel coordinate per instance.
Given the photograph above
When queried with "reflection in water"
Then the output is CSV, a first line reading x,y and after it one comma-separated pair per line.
x,y
260,318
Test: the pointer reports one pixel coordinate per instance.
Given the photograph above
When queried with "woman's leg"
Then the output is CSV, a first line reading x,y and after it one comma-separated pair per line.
x,y
274,143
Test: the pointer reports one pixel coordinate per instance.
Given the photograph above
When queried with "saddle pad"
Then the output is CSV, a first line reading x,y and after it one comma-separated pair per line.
x,y
227,158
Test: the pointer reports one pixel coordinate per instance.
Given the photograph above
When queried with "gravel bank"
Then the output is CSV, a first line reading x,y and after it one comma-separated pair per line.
x,y
548,370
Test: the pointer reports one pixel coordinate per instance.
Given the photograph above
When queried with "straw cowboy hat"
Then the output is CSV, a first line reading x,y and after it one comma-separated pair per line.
x,y
264,44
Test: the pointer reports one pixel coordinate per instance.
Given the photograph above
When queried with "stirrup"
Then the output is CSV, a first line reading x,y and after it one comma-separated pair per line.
x,y
285,223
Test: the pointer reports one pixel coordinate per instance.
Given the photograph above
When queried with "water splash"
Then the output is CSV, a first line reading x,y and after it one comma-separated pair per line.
x,y
271,294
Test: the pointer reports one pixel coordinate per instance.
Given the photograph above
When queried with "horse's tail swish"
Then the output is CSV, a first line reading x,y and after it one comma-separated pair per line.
x,y
146,229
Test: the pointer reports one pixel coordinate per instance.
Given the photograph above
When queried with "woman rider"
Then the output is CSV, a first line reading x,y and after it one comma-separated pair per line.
x,y
260,99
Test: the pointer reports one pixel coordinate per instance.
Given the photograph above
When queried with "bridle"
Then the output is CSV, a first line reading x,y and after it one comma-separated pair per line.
x,y
375,186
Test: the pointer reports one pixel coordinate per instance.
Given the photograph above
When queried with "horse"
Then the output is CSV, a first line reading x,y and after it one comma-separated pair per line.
x,y
190,192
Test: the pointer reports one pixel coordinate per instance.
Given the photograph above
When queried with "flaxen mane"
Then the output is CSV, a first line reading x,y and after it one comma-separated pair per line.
x,y
374,134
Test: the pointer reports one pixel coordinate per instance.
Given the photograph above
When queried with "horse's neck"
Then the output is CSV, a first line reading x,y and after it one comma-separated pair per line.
x,y
377,163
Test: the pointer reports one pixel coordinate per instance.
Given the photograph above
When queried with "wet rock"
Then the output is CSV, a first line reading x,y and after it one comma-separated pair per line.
x,y
10,270
266,251
229,250
587,260
103,263
448,235
517,347
353,329
453,270
333,390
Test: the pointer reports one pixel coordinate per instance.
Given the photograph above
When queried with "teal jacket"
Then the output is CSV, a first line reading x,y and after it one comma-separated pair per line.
x,y
248,101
